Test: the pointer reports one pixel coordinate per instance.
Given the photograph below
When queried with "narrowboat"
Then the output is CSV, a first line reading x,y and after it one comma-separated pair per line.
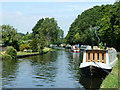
x,y
97,62
75,48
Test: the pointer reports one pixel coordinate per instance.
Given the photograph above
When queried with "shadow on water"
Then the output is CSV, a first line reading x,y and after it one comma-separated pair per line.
x,y
88,82
9,69
91,83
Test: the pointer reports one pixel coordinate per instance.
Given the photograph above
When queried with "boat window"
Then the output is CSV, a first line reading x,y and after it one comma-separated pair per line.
x,y
98,56
102,56
93,55
88,56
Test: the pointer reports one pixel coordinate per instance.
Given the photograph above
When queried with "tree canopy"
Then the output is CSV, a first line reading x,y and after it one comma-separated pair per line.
x,y
9,35
107,17
46,32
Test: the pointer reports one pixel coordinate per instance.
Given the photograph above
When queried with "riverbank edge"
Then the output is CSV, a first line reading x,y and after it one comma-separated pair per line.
x,y
111,80
21,56
44,51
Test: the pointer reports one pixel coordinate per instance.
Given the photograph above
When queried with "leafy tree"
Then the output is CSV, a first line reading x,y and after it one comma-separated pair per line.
x,y
107,17
46,31
35,28
12,52
9,36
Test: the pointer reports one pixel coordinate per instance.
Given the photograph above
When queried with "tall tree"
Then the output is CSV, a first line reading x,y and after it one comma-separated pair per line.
x,y
9,36
107,17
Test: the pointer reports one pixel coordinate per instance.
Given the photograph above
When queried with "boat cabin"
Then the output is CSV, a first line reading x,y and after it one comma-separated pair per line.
x,y
96,55
106,58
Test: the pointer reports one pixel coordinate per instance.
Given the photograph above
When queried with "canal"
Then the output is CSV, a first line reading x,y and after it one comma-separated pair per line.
x,y
58,69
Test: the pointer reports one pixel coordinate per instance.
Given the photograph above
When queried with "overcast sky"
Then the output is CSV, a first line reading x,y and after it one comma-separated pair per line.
x,y
23,15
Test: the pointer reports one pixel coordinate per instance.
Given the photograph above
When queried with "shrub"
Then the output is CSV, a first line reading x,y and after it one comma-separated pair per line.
x,y
24,46
33,45
6,57
101,45
12,52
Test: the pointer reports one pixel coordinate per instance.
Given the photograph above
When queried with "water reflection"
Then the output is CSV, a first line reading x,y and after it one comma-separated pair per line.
x,y
58,69
54,69
9,69
91,83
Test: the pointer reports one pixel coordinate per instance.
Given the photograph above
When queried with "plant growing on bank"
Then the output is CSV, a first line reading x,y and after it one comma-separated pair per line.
x,y
11,52
24,46
101,45
6,57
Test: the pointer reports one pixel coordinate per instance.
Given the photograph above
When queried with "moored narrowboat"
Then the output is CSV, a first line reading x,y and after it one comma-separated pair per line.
x,y
97,61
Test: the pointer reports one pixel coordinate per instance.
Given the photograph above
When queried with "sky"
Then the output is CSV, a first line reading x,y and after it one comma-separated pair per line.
x,y
23,15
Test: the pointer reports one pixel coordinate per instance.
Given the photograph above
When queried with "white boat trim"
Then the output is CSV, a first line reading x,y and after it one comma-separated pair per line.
x,y
111,60
98,64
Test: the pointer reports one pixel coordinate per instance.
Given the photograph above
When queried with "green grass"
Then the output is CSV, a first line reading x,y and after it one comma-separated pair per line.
x,y
25,53
45,50
111,81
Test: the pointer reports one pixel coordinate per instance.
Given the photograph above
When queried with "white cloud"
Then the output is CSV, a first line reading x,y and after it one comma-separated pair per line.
x,y
18,13
25,19
21,23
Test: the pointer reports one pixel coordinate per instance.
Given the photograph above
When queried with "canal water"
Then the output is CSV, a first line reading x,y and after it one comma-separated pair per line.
x,y
58,69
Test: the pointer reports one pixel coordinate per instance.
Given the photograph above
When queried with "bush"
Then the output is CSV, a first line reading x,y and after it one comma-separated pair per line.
x,y
33,44
12,52
6,57
24,46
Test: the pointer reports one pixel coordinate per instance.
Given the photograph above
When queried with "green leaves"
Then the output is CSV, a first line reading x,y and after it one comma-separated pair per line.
x,y
45,32
107,17
9,35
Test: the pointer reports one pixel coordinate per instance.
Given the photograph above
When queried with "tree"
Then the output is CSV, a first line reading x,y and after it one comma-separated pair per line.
x,y
47,31
35,28
105,16
9,36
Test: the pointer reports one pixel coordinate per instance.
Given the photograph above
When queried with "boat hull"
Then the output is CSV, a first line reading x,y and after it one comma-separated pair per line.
x,y
92,71
76,51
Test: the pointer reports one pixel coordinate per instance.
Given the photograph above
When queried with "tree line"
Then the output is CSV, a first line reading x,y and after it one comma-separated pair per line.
x,y
101,20
44,33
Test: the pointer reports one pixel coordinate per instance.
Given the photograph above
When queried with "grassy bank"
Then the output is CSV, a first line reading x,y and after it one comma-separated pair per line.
x,y
45,50
111,81
25,53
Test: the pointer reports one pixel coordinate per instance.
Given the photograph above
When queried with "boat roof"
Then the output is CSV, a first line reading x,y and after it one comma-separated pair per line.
x,y
108,49
96,50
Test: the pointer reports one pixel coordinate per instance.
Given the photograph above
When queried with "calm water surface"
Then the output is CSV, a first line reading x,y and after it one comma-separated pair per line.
x,y
59,69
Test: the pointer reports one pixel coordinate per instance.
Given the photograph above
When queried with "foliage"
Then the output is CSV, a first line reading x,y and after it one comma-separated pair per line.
x,y
6,57
107,17
45,32
47,29
101,45
12,52
9,36
24,46
27,36
21,34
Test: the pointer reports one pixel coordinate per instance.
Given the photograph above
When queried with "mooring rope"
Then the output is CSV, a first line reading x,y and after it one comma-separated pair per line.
x,y
105,70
